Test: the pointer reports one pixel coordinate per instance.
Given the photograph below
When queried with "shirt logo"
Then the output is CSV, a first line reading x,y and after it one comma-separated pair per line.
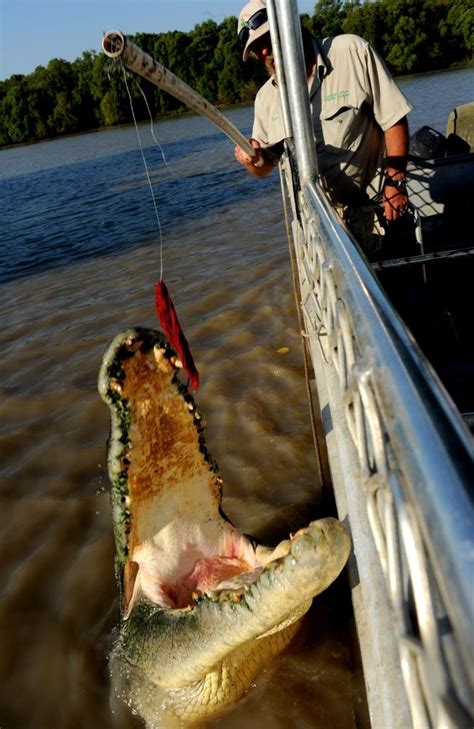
x,y
342,94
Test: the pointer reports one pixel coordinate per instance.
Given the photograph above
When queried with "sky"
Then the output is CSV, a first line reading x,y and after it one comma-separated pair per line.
x,y
32,32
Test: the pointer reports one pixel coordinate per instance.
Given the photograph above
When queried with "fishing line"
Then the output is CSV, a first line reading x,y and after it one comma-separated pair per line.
x,y
146,170
164,306
152,129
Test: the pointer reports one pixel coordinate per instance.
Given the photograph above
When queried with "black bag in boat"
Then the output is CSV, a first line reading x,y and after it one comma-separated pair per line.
x,y
427,143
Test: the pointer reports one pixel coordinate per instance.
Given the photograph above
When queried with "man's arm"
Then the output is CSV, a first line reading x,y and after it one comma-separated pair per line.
x,y
395,199
260,165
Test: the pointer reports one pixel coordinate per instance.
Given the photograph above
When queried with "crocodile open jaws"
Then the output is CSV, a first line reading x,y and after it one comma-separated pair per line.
x,y
202,607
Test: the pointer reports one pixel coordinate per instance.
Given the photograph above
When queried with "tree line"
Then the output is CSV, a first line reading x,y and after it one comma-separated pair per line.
x,y
64,97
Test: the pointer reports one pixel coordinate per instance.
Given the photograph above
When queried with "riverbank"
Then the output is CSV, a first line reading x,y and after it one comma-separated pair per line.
x,y
177,114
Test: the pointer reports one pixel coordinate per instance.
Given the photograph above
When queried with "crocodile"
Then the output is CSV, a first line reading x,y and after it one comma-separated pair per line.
x,y
202,606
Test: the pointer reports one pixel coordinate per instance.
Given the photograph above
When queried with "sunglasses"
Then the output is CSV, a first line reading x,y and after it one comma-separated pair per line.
x,y
253,23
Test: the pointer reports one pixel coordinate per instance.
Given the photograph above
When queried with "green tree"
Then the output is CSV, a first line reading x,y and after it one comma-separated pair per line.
x,y
459,24
83,90
171,50
201,64
366,21
109,92
110,108
228,63
404,38
328,18
60,78
17,123
64,117
41,102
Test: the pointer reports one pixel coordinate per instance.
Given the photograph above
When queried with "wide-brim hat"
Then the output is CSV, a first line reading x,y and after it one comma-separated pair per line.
x,y
252,14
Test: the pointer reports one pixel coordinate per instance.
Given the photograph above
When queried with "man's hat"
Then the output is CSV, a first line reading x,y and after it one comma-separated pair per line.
x,y
253,23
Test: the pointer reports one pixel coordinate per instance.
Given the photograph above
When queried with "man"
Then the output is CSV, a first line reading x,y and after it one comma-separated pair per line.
x,y
358,115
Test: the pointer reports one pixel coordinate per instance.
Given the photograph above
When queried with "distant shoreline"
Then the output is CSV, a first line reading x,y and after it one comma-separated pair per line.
x,y
186,112
161,117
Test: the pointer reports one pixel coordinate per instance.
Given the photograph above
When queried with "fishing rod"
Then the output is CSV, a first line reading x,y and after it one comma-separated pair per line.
x,y
115,45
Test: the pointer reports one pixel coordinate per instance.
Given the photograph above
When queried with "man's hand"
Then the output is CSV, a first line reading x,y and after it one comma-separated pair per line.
x,y
260,165
395,202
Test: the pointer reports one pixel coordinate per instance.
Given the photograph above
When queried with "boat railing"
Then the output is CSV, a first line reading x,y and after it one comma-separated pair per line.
x,y
396,444
413,460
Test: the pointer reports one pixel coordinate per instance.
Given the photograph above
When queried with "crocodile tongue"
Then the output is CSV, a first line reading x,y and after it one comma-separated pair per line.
x,y
184,560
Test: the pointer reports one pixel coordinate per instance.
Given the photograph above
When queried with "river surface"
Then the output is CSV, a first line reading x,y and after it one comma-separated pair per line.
x,y
79,259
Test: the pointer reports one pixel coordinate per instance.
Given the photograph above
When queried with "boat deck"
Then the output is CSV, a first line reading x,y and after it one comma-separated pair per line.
x,y
430,284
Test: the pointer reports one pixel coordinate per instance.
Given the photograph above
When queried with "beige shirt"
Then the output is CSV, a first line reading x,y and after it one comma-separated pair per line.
x,y
353,101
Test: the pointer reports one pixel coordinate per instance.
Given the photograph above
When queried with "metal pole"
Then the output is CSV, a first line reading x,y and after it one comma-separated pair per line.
x,y
116,45
280,70
297,84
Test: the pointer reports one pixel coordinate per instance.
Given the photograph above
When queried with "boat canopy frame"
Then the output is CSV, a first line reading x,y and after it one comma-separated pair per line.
x,y
400,454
